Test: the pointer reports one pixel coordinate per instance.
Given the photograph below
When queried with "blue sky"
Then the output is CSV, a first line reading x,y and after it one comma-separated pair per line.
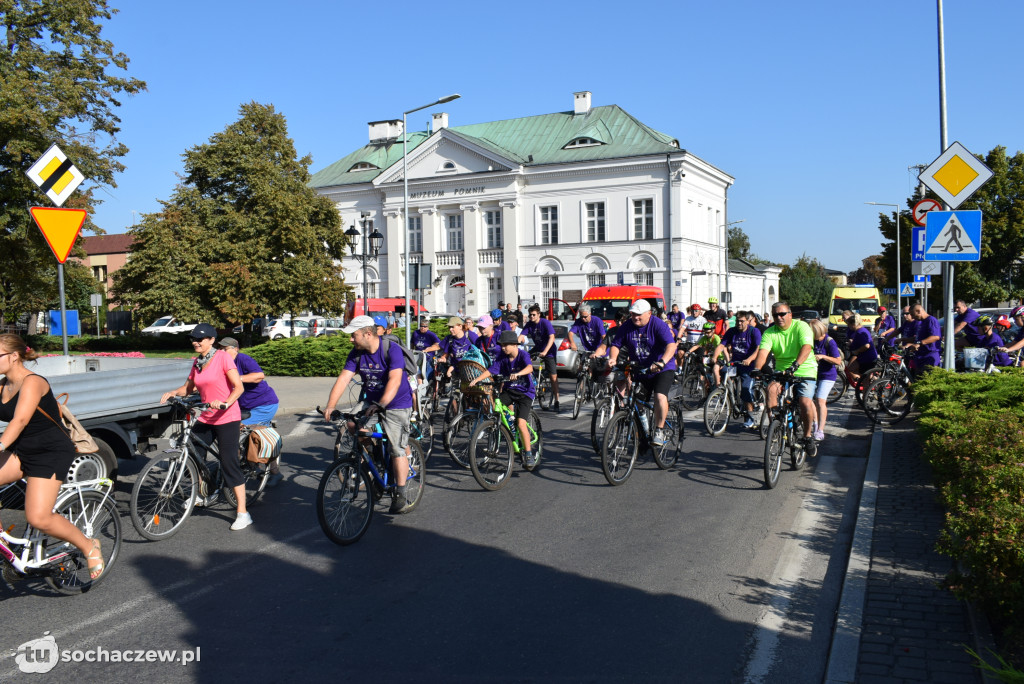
x,y
813,106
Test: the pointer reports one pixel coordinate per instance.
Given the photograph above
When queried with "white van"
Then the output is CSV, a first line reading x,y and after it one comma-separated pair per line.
x,y
168,324
279,328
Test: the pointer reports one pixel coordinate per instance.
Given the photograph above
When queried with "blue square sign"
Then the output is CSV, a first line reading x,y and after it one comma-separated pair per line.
x,y
952,236
917,244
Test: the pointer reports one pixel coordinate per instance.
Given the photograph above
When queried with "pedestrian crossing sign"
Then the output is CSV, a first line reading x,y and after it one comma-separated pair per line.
x,y
953,236
907,290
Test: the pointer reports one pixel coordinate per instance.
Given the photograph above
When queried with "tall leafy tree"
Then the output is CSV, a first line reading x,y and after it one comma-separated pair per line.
x,y
243,234
60,82
870,272
805,283
739,243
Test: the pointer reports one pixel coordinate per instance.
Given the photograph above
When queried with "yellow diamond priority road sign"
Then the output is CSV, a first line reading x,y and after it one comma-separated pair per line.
x,y
55,175
955,175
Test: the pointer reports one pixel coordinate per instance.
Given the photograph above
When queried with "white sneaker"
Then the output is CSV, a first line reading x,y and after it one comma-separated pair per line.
x,y
748,423
242,520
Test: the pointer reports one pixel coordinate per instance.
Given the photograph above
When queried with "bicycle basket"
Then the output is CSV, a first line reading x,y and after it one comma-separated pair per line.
x,y
975,358
467,371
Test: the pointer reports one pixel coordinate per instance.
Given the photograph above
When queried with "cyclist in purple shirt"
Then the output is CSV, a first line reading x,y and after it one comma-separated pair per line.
x,y
1017,315
966,320
542,333
741,343
651,344
990,339
487,341
908,330
885,326
862,347
385,389
675,317
426,341
587,330
927,347
457,344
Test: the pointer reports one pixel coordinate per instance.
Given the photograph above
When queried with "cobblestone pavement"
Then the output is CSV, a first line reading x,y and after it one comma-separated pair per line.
x,y
913,630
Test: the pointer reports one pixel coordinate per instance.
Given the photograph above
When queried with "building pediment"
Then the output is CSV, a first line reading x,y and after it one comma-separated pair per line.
x,y
446,154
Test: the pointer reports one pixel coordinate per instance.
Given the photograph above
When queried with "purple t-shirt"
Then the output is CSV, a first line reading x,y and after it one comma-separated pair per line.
x,y
501,325
590,334
971,331
373,370
422,340
928,354
742,344
992,341
503,365
908,330
256,393
488,345
646,344
860,337
827,346
539,332
887,323
457,347
675,318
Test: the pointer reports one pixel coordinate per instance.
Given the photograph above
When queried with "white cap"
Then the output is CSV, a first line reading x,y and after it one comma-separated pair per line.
x,y
358,323
640,306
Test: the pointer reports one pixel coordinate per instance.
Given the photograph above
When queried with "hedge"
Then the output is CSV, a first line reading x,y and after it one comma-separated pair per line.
x,y
972,429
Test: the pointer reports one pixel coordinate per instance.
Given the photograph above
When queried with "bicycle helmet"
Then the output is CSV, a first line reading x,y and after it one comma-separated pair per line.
x,y
697,307
1017,311
984,320
709,326
712,300
1004,322
496,314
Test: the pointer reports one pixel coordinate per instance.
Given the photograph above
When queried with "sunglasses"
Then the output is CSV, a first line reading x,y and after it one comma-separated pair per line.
x,y
780,314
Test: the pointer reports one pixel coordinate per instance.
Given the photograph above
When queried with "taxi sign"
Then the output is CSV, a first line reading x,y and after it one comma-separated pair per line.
x,y
55,175
955,175
60,228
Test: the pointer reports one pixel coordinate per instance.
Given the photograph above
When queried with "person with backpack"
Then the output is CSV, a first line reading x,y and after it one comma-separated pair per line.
x,y
380,365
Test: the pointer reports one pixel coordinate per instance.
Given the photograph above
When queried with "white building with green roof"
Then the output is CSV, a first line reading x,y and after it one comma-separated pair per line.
x,y
543,206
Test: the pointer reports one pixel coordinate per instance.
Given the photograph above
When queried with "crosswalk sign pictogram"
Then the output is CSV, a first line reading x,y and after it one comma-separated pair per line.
x,y
907,290
953,236
55,175
60,228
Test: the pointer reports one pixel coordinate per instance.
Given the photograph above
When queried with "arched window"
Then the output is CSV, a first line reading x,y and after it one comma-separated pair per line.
x,y
583,141
363,166
447,166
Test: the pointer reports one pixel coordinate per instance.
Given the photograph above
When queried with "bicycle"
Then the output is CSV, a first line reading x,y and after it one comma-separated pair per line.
x,y
588,389
496,442
169,488
458,429
360,476
725,402
545,397
785,428
89,505
627,431
697,379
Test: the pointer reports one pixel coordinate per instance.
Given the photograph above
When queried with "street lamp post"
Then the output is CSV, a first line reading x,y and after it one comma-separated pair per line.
x,y
405,205
372,242
899,281
726,226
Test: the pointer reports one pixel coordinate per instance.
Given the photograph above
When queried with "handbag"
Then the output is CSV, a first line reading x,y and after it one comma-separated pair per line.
x,y
80,437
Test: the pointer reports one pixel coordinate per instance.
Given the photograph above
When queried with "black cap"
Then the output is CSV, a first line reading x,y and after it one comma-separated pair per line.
x,y
202,331
508,337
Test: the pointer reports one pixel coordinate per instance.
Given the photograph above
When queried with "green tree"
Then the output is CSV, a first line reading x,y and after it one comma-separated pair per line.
x,y
805,283
58,84
739,244
243,235
870,272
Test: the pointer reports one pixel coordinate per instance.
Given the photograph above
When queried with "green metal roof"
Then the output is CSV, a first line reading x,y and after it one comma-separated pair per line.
x,y
541,137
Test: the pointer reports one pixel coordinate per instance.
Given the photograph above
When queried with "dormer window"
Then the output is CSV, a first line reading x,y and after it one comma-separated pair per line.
x,y
447,167
363,166
582,142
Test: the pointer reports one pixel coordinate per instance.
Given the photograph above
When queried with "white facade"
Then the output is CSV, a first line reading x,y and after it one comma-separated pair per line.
x,y
495,229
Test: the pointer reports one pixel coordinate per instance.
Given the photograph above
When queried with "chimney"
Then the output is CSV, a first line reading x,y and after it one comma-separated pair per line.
x,y
382,131
581,102
440,121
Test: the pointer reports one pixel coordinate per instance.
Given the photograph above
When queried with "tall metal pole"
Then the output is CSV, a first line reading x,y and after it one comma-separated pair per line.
x,y
366,257
899,280
948,356
63,309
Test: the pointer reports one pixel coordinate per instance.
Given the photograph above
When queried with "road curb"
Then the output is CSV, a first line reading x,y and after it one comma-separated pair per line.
x,y
843,653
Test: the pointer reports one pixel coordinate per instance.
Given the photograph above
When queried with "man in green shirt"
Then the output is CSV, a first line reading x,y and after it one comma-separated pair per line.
x,y
792,343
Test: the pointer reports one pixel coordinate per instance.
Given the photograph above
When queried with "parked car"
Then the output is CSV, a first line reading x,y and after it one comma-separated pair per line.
x,y
809,315
565,358
279,328
168,324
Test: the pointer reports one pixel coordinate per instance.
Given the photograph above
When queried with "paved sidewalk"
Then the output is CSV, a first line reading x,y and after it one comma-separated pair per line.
x,y
912,630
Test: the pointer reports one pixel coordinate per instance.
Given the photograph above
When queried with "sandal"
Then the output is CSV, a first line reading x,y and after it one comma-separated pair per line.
x,y
95,571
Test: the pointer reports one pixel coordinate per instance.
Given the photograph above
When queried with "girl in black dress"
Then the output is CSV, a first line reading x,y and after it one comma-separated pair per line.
x,y
34,447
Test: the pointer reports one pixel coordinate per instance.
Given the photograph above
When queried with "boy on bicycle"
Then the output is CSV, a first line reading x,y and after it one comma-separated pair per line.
x,y
385,390
516,365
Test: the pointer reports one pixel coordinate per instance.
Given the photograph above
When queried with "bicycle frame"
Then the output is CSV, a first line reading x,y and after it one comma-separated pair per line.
x,y
380,454
504,412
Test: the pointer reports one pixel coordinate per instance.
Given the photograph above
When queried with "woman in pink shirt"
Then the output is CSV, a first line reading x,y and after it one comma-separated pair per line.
x,y
216,378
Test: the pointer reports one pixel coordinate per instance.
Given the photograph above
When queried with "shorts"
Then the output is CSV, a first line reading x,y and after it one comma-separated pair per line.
x,y
822,388
518,401
660,383
47,465
803,388
548,362
261,415
396,427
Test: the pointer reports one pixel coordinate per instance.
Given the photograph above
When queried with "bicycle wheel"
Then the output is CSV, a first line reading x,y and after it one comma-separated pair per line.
x,y
887,401
537,444
838,389
774,445
423,434
865,381
797,452
256,476
581,396
95,514
491,455
417,479
620,447
452,410
344,502
164,495
599,421
716,411
545,395
765,417
667,454
693,392
456,438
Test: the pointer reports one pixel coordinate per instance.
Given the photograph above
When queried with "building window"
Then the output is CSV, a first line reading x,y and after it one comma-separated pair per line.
x,y
99,273
493,292
548,289
371,290
415,233
595,280
644,278
595,221
447,166
362,166
455,233
549,225
492,219
643,219
582,142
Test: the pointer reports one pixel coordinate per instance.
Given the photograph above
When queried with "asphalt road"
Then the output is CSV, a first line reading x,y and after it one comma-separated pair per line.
x,y
693,574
